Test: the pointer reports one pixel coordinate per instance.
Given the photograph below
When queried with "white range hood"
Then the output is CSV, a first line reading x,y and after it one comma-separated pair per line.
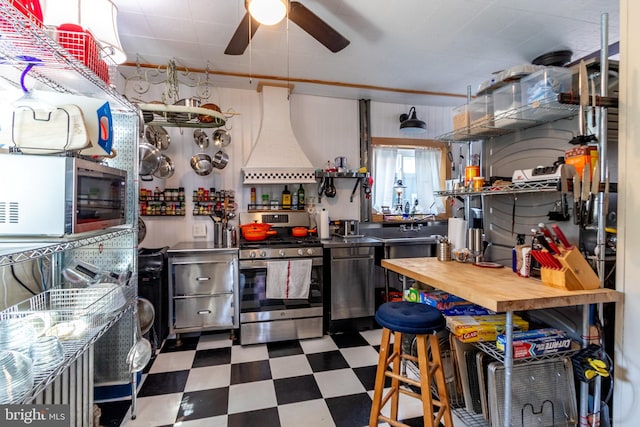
x,y
276,156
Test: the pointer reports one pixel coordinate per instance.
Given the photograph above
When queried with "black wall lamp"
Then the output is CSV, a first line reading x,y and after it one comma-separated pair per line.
x,y
410,124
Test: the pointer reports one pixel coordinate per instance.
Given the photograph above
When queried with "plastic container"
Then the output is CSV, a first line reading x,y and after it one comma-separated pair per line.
x,y
540,91
507,106
474,116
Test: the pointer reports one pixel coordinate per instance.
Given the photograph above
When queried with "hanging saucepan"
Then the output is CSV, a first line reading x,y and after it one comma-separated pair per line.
x,y
149,157
330,191
201,164
165,168
221,138
200,138
158,136
220,159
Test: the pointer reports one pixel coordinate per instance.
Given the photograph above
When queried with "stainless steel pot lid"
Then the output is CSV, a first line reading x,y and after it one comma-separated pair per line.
x,y
221,138
149,157
157,136
200,138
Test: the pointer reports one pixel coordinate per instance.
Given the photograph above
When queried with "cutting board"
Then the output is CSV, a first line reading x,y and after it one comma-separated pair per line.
x,y
45,130
97,116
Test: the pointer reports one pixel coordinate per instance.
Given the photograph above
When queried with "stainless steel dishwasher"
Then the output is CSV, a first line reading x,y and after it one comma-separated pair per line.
x,y
352,286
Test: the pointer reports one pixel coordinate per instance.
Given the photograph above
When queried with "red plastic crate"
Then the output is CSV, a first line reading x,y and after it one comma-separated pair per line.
x,y
80,44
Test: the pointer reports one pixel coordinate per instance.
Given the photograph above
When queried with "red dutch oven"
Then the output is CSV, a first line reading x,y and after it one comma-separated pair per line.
x,y
256,231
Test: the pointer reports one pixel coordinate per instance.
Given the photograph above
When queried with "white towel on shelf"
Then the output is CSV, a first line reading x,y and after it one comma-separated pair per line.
x,y
288,279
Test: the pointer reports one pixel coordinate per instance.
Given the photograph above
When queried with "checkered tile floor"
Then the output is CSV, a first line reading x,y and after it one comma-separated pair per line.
x,y
212,381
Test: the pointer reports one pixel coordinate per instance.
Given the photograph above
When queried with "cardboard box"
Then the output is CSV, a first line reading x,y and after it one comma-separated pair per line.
x,y
467,310
536,342
482,328
438,299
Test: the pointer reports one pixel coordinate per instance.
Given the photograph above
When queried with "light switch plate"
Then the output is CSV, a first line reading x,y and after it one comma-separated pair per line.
x,y
200,230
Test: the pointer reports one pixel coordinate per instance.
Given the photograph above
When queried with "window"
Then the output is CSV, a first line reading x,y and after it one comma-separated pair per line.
x,y
405,177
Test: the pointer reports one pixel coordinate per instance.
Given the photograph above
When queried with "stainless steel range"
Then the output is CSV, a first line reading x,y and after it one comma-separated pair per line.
x,y
264,319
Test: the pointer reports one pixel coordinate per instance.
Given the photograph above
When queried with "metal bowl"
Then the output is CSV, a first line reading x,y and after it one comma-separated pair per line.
x,y
201,164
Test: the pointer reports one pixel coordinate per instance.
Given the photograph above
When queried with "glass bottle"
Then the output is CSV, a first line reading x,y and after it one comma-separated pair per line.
x,y
301,198
286,198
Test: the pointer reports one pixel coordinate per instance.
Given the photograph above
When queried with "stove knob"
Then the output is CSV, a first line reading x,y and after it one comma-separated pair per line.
x,y
300,252
281,252
252,254
310,251
263,254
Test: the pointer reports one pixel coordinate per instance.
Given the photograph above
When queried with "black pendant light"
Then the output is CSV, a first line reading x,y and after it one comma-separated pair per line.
x,y
410,124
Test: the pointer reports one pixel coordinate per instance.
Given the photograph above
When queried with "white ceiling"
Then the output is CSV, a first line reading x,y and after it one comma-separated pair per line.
x,y
413,45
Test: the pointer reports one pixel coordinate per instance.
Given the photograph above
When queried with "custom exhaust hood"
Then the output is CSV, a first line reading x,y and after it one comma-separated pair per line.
x,y
276,156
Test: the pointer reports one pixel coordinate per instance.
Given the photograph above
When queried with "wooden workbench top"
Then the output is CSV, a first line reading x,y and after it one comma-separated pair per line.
x,y
498,289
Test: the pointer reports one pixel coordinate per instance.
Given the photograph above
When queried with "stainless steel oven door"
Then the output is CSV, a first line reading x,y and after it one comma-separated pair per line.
x,y
255,306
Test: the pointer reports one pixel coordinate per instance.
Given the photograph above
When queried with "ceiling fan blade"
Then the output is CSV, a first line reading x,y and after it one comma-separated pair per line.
x,y
240,40
316,27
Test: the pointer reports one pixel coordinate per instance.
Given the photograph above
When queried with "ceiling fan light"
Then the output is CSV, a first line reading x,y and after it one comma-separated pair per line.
x,y
409,123
268,12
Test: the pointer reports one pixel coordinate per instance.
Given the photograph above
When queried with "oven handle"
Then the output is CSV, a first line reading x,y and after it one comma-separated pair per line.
x,y
255,264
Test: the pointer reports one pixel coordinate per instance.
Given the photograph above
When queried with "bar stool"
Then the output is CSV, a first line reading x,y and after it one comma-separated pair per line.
x,y
424,321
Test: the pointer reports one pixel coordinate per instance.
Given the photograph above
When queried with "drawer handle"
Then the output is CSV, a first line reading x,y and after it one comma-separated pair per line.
x,y
204,312
203,279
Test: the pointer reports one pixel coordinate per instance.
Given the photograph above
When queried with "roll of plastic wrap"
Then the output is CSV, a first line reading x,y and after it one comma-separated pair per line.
x,y
323,223
457,233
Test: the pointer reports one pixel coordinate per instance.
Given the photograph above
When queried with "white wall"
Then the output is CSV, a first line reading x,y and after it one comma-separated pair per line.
x,y
627,368
325,128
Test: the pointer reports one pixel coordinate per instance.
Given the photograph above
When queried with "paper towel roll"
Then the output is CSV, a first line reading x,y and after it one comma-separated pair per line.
x,y
457,233
323,223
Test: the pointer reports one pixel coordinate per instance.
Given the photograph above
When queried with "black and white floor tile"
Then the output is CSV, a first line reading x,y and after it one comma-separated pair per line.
x,y
211,381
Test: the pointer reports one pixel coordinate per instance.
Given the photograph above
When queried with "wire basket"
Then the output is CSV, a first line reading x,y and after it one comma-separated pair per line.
x,y
72,314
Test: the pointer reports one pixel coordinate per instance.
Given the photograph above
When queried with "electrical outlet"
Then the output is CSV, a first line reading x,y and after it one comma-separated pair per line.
x,y
200,230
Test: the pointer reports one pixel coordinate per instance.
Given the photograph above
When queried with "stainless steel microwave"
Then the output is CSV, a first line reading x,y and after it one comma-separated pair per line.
x,y
55,196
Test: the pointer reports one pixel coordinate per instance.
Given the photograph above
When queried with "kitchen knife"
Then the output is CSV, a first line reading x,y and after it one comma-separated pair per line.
x,y
548,245
576,199
552,262
583,88
595,188
563,239
584,195
593,102
544,230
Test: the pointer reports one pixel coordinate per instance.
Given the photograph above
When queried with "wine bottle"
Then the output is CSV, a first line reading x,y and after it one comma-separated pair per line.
x,y
301,197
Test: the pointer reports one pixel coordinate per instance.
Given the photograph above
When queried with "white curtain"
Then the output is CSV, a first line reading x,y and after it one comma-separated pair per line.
x,y
428,163
384,170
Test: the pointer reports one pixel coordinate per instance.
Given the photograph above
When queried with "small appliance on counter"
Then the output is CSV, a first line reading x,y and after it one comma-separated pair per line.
x,y
346,228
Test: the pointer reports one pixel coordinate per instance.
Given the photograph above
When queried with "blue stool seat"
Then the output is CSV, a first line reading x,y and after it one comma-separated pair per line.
x,y
410,317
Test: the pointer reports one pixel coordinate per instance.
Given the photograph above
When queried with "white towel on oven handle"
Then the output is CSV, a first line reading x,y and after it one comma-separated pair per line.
x,y
289,279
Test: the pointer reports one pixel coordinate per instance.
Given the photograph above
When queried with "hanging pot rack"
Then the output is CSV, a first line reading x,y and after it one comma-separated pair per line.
x,y
172,77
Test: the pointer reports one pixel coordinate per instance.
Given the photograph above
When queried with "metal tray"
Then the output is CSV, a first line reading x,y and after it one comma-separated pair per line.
x,y
543,394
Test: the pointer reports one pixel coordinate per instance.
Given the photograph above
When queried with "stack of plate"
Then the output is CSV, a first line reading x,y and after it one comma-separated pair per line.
x,y
16,334
46,353
16,376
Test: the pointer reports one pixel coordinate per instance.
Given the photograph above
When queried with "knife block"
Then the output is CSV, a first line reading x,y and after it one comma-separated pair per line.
x,y
575,274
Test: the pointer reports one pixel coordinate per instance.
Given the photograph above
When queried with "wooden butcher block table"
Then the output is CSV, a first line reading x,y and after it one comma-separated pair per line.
x,y
498,289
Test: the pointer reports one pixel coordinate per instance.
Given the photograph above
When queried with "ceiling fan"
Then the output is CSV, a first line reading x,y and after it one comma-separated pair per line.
x,y
300,15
